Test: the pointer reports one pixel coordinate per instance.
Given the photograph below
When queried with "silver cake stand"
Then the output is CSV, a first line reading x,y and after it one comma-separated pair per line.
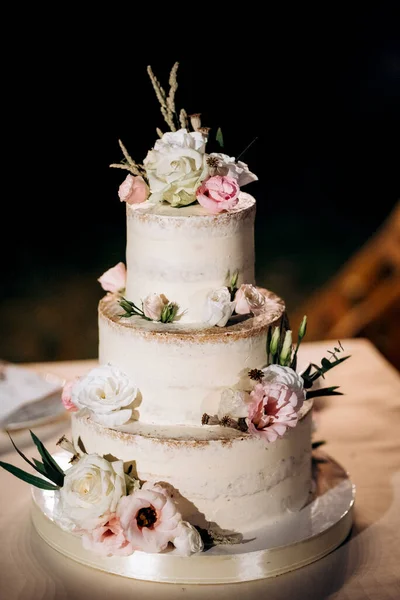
x,y
295,541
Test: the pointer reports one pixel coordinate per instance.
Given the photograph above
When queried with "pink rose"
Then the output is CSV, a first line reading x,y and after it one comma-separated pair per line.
x,y
133,190
149,518
272,410
66,398
218,193
249,299
108,539
114,280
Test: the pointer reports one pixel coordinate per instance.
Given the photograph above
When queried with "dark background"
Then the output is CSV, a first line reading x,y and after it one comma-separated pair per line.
x,y
319,91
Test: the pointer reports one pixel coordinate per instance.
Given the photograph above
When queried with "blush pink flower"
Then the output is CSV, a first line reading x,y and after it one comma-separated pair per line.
x,y
249,299
218,193
272,410
108,539
133,190
114,280
66,395
149,518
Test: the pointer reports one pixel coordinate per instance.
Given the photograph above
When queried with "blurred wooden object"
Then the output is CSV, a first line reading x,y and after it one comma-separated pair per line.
x,y
363,298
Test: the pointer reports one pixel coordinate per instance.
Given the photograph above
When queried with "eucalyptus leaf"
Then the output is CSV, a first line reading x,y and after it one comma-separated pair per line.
x,y
32,479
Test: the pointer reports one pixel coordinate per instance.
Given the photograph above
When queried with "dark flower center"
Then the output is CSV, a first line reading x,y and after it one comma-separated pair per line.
x,y
146,517
213,162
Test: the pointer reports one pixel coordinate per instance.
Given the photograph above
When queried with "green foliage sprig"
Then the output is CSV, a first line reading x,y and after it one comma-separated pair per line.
x,y
47,468
131,309
280,351
168,314
314,372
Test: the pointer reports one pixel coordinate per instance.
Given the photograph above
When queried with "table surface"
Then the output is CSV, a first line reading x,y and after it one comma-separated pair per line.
x,y
362,432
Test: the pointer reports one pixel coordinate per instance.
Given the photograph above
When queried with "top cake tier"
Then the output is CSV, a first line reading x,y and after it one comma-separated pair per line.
x,y
185,253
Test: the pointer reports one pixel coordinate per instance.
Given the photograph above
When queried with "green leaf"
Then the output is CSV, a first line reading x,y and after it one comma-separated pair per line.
x,y
307,372
169,312
32,479
22,455
326,364
315,445
328,391
53,470
40,467
269,336
37,465
234,279
219,137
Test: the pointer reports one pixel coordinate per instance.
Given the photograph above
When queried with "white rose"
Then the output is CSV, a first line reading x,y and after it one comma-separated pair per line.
x,y
105,391
176,166
153,306
181,139
91,491
219,307
188,540
286,375
249,299
233,404
228,167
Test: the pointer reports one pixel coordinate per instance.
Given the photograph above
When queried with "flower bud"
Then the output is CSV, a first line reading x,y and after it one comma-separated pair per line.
x,y
274,341
286,352
169,312
195,121
303,327
154,305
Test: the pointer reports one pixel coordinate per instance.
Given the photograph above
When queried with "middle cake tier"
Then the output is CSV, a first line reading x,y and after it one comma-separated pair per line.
x,y
181,370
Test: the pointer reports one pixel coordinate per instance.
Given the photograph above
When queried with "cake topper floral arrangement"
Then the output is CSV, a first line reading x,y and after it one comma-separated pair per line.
x,y
178,170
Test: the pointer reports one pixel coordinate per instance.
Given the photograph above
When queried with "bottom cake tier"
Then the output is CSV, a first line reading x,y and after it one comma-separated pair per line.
x,y
218,476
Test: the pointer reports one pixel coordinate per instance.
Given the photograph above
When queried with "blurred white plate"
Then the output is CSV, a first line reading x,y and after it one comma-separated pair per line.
x,y
27,398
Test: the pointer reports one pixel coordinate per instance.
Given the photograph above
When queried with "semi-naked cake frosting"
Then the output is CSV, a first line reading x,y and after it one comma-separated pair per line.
x,y
218,475
186,252
194,429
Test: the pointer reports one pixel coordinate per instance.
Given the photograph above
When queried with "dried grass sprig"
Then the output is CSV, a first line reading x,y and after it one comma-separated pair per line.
x,y
173,86
167,103
183,119
130,165
162,98
160,93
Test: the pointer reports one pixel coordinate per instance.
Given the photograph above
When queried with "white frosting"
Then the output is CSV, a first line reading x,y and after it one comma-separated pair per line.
x,y
185,252
232,479
180,375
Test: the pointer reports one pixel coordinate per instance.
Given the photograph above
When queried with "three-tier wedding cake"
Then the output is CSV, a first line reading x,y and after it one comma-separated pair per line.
x,y
195,428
